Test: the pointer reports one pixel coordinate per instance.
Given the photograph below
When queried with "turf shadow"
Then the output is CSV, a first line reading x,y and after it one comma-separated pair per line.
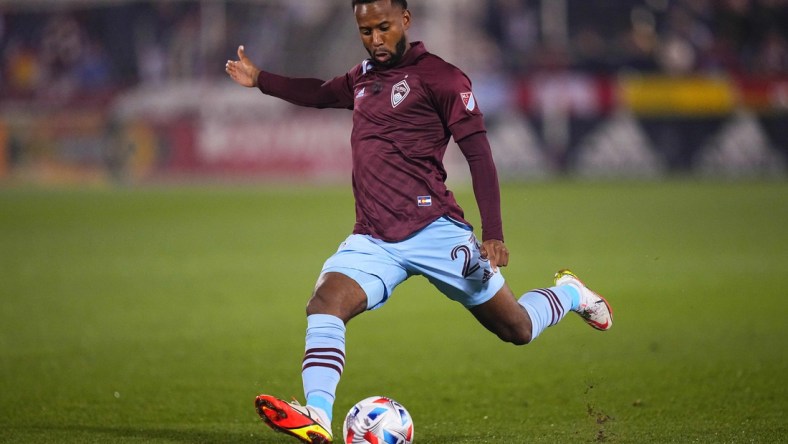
x,y
89,433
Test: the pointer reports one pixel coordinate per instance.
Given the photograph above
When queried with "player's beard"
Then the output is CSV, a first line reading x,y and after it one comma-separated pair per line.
x,y
396,56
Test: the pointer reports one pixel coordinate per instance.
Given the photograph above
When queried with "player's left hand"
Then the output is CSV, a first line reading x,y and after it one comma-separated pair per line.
x,y
496,252
243,71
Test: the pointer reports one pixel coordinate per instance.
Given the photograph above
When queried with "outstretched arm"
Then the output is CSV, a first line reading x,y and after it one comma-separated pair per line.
x,y
476,149
300,91
243,71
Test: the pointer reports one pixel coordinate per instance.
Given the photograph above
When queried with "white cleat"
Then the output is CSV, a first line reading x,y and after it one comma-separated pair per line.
x,y
593,308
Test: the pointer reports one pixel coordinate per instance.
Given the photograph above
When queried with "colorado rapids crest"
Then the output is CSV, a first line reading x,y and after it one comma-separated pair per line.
x,y
399,92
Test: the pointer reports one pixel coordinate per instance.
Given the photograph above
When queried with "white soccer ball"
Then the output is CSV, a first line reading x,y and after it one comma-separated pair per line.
x,y
378,420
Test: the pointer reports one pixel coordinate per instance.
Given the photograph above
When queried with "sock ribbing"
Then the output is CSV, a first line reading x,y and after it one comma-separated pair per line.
x,y
324,360
547,306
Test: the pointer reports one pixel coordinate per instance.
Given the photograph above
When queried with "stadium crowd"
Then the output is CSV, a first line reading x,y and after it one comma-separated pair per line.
x,y
668,36
83,50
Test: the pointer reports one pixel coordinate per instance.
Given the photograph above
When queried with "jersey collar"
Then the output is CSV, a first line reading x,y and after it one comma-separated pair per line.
x,y
416,50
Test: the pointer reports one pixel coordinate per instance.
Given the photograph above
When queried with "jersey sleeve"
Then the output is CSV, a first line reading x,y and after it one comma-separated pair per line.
x,y
456,103
484,176
461,114
315,93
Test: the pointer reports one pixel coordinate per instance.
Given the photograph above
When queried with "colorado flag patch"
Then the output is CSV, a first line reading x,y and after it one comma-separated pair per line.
x,y
424,201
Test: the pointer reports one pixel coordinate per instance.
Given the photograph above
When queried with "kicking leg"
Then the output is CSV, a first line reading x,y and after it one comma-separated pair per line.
x,y
520,321
506,318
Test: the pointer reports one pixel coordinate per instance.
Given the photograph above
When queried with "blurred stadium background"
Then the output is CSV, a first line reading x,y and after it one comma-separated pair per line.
x,y
134,91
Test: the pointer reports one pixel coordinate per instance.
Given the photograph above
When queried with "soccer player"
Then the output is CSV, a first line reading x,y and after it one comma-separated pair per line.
x,y
406,105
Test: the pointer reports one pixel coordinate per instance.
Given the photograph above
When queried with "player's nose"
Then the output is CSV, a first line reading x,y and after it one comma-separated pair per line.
x,y
377,38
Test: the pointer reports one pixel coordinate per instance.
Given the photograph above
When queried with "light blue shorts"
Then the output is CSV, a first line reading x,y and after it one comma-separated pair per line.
x,y
446,252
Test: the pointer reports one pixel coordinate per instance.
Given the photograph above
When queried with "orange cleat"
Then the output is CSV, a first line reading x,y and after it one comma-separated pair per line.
x,y
302,422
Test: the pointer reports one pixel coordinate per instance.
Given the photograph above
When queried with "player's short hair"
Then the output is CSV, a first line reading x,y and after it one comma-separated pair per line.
x,y
402,3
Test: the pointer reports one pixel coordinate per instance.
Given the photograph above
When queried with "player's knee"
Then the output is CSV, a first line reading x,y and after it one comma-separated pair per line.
x,y
318,304
338,296
517,335
325,302
521,338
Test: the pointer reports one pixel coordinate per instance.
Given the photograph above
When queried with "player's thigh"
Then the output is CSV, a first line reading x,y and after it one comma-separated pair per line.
x,y
374,271
448,255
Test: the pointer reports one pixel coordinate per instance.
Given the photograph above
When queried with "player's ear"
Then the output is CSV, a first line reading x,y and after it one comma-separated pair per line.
x,y
405,19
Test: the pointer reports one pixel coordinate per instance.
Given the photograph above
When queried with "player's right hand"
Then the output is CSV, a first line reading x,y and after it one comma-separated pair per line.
x,y
496,252
242,70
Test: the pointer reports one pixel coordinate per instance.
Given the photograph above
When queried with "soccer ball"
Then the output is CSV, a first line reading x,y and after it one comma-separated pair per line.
x,y
378,420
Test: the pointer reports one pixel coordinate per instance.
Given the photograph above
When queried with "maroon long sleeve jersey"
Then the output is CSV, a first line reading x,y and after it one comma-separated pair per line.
x,y
403,117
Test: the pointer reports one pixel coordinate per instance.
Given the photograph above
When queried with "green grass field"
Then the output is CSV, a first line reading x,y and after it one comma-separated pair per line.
x,y
157,314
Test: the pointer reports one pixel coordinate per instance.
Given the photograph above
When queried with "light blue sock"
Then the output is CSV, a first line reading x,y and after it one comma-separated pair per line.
x,y
324,361
575,292
547,306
